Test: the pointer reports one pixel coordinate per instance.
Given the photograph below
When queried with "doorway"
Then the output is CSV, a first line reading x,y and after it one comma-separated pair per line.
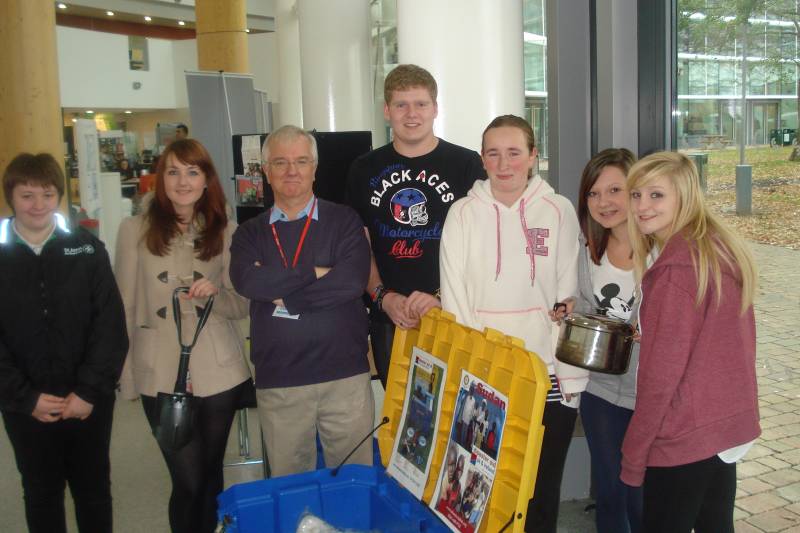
x,y
763,119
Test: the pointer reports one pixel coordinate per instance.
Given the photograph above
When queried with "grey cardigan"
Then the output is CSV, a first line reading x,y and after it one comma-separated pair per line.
x,y
619,390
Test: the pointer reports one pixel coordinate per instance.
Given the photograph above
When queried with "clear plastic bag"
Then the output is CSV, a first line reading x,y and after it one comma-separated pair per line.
x,y
310,523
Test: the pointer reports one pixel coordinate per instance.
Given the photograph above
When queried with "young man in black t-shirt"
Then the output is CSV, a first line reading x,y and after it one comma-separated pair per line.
x,y
402,192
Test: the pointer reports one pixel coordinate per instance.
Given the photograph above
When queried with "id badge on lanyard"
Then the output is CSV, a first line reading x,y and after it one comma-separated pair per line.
x,y
281,311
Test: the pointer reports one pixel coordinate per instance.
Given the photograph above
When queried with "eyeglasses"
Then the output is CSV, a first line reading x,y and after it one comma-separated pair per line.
x,y
282,165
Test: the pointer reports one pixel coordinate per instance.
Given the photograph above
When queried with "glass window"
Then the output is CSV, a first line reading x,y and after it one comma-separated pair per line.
x,y
728,78
683,76
697,77
756,78
773,78
712,77
535,61
789,113
789,79
137,53
535,67
533,17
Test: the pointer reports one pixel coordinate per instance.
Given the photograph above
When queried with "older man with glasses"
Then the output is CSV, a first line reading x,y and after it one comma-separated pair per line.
x,y
304,264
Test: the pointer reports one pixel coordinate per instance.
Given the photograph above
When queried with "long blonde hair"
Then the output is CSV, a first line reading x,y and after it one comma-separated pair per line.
x,y
711,240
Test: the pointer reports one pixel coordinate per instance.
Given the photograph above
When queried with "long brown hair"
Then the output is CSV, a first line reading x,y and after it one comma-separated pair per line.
x,y
209,211
596,235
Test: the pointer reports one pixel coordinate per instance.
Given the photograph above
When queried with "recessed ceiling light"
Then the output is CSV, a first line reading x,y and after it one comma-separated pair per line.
x,y
90,112
62,5
110,13
147,18
128,111
181,23
247,30
74,120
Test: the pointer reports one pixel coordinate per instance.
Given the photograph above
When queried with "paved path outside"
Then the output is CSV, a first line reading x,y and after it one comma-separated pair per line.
x,y
768,489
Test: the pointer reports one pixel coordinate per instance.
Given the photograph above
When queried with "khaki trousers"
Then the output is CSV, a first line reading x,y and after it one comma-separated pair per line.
x,y
342,411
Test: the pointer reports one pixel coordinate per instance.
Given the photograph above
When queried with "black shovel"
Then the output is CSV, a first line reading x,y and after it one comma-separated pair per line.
x,y
177,411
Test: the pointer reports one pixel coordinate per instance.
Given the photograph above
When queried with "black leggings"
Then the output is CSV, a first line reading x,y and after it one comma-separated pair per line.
x,y
559,423
196,469
697,496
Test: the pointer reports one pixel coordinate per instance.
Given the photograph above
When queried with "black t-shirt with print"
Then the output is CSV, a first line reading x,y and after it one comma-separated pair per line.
x,y
403,202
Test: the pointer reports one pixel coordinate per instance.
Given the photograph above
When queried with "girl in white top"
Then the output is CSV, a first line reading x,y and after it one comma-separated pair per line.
x,y
606,281
509,251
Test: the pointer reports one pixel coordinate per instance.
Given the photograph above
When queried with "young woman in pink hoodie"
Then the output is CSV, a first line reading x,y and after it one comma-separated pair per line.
x,y
696,408
509,251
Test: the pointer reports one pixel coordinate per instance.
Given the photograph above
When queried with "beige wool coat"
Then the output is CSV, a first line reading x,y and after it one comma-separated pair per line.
x,y
146,282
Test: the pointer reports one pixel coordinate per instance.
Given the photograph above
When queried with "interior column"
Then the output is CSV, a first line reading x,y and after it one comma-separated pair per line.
x,y
30,107
336,81
474,50
222,35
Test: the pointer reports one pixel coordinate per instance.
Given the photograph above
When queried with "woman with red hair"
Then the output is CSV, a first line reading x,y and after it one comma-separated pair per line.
x,y
182,238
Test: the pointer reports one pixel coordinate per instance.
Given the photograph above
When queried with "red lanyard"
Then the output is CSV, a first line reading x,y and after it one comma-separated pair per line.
x,y
299,244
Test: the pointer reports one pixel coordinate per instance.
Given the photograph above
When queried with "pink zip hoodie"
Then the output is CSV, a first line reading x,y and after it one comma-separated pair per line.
x,y
696,385
504,267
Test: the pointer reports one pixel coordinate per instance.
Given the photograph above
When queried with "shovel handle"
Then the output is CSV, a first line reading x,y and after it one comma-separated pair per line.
x,y
186,350
176,313
183,372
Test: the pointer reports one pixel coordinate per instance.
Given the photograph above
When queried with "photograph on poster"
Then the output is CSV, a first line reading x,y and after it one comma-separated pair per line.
x,y
467,473
416,440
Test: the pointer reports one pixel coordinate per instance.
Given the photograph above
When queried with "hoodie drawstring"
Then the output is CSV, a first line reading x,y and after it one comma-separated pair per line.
x,y
528,239
499,255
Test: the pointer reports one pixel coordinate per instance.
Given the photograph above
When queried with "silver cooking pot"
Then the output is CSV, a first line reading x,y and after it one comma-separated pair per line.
x,y
595,342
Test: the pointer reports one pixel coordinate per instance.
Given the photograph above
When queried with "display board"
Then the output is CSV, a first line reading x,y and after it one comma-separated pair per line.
x,y
221,105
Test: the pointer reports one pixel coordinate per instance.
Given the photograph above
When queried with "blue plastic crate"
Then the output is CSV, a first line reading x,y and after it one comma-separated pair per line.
x,y
359,497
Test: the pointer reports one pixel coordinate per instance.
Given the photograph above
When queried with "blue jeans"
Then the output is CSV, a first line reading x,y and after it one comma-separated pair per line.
x,y
619,507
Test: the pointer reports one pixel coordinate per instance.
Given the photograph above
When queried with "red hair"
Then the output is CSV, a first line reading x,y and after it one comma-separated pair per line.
x,y
162,220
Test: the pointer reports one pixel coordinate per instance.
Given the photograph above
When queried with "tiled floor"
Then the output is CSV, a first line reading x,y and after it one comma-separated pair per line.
x,y
768,495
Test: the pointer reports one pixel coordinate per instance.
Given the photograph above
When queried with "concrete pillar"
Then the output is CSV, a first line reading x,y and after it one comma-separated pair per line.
x,y
290,96
334,45
222,35
474,50
30,108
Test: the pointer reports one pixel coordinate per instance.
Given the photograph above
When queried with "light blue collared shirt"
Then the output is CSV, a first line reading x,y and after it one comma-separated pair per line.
x,y
277,215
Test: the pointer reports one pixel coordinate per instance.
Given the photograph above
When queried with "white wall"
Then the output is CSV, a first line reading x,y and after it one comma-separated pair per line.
x,y
184,54
94,72
263,50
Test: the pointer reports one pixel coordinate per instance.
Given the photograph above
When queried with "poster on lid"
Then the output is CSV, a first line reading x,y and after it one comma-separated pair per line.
x,y
415,441
468,470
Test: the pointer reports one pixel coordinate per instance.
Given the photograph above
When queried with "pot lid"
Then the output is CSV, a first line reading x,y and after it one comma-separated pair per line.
x,y
599,323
